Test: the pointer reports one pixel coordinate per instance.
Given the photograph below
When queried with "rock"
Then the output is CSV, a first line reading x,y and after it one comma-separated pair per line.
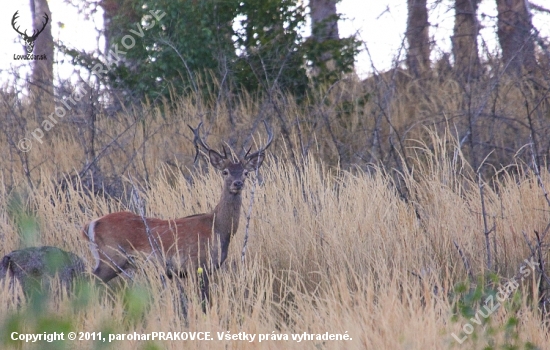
x,y
32,266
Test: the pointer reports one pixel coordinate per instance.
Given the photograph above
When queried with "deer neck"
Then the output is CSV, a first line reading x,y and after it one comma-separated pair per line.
x,y
226,215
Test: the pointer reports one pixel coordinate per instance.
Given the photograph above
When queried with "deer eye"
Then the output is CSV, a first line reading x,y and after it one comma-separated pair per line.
x,y
246,173
225,173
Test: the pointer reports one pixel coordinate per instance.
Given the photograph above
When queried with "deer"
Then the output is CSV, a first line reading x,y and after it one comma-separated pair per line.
x,y
29,40
186,244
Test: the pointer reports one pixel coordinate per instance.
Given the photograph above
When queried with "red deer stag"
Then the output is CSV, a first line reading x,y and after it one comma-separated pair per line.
x,y
191,242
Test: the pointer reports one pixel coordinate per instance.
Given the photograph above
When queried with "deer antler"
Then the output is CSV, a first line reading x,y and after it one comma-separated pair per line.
x,y
248,156
199,142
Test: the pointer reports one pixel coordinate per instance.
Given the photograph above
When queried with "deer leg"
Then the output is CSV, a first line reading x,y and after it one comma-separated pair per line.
x,y
110,265
204,286
105,272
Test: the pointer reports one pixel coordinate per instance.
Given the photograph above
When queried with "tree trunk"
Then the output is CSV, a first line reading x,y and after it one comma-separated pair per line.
x,y
324,21
418,55
514,34
324,26
42,70
111,9
464,40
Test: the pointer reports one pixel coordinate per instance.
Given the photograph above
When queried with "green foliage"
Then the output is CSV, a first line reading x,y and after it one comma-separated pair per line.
x,y
271,45
475,307
330,57
25,220
190,45
136,301
190,39
35,315
35,318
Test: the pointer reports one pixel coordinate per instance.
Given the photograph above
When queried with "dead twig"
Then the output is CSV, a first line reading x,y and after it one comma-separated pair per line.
x,y
464,260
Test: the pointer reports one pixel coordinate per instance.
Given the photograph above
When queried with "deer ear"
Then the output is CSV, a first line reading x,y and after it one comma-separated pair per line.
x,y
217,160
254,162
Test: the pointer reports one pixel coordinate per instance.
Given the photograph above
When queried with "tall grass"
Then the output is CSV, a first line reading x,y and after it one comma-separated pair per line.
x,y
391,209
330,251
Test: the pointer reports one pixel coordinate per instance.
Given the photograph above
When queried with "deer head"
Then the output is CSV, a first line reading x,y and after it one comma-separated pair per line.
x,y
234,173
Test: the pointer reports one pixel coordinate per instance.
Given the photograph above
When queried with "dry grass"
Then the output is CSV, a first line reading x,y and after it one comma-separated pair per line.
x,y
337,244
350,124
330,251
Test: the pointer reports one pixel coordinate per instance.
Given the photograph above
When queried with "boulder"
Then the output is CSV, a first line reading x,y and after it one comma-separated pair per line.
x,y
32,266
